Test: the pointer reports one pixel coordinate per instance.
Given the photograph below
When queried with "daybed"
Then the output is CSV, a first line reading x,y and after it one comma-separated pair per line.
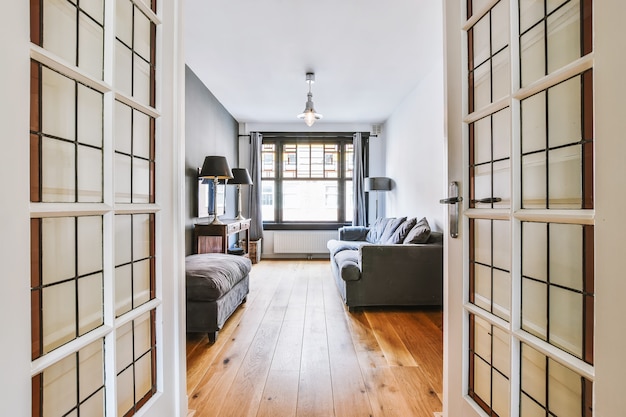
x,y
216,285
395,262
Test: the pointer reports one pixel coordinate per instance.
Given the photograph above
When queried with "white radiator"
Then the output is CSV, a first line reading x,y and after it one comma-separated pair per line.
x,y
305,241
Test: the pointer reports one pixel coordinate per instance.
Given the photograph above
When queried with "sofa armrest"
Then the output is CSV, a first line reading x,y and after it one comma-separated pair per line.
x,y
353,233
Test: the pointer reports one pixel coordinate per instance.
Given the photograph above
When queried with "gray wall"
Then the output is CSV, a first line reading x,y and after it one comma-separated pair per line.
x,y
209,130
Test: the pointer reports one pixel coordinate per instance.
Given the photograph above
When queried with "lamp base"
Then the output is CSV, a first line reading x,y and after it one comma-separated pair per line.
x,y
216,220
239,217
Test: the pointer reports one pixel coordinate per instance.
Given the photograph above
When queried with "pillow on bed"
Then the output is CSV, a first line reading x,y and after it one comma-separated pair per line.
x,y
402,231
419,233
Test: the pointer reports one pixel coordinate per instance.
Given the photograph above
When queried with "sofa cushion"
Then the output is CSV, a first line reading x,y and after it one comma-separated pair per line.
x,y
348,264
211,275
401,231
377,229
390,228
419,233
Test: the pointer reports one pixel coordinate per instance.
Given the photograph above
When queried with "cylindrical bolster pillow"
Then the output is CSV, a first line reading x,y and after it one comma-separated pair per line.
x,y
348,263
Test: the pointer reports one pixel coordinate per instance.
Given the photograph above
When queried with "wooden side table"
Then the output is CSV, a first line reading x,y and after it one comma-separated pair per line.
x,y
211,238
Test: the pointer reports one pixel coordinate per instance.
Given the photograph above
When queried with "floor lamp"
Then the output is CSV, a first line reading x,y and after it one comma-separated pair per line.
x,y
216,168
377,184
240,177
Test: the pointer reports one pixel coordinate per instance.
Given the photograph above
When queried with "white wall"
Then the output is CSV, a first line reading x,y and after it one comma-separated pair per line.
x,y
414,143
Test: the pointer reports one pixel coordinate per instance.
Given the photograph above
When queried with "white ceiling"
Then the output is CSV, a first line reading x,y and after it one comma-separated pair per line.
x,y
367,55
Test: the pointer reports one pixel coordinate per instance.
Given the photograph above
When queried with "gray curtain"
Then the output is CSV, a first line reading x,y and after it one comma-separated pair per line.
x,y
359,217
254,202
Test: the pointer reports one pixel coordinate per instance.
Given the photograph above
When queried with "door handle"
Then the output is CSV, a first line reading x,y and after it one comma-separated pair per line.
x,y
487,200
453,201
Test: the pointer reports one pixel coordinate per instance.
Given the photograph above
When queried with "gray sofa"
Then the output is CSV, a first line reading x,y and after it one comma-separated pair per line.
x,y
216,285
395,262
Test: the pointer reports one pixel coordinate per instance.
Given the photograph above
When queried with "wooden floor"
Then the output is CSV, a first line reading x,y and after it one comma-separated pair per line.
x,y
294,350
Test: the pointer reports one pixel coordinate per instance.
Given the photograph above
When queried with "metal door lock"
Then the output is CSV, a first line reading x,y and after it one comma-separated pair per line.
x,y
453,211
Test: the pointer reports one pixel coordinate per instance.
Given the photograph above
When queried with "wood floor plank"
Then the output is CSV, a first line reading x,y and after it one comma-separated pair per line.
x,y
294,350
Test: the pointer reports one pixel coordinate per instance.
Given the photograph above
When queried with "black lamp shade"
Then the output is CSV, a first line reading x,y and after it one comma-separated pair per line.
x,y
241,176
377,184
215,167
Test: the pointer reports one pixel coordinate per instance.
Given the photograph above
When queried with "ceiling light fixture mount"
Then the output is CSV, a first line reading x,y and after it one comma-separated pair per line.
x,y
309,114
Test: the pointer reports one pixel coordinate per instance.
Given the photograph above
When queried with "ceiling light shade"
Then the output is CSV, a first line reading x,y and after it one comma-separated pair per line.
x,y
309,114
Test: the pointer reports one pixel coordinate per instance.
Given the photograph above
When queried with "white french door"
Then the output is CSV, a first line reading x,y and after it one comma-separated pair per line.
x,y
523,307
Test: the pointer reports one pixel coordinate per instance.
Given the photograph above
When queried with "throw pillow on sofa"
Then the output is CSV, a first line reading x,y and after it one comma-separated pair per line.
x,y
377,229
391,227
419,233
402,231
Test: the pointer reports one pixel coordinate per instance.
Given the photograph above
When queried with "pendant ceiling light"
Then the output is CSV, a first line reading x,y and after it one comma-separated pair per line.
x,y
309,115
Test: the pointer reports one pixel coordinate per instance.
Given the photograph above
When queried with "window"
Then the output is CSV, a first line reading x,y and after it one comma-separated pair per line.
x,y
306,180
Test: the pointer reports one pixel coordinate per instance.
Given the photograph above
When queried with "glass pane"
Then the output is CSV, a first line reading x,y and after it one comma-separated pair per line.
x,y
124,347
501,134
502,183
142,35
89,115
566,320
123,68
141,236
141,282
482,380
125,391
89,244
482,241
500,395
123,289
532,55
534,302
124,21
309,200
534,180
123,128
91,367
535,250
529,408
141,181
90,46
482,287
566,261
501,67
57,171
502,244
481,40
141,80
500,26
143,337
565,178
482,86
564,111
533,110
58,315
349,201
123,239
501,294
534,374
94,406
482,140
94,8
57,105
141,134
89,175
482,338
564,36
564,391
90,313
501,355
122,179
531,12
59,387
143,376
58,246
267,200
59,29
482,183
